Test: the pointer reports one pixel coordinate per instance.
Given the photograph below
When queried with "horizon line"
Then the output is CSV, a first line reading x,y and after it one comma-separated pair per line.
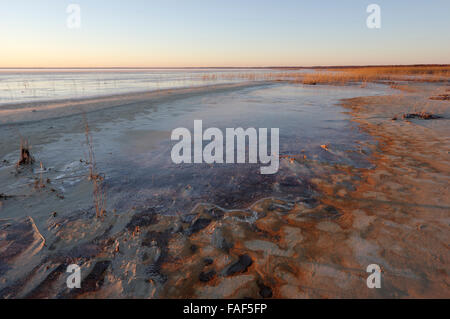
x,y
225,67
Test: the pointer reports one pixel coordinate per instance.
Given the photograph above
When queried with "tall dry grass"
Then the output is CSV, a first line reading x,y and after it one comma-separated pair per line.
x,y
344,75
371,74
436,70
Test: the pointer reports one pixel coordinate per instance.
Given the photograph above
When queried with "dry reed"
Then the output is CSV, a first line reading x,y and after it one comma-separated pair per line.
x,y
25,154
344,75
96,178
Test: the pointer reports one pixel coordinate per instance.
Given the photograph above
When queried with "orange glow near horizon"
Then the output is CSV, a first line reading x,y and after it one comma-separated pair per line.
x,y
50,58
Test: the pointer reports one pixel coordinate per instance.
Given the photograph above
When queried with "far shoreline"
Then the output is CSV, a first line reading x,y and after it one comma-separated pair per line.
x,y
230,67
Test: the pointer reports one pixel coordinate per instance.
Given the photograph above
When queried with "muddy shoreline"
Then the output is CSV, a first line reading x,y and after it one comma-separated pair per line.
x,y
314,245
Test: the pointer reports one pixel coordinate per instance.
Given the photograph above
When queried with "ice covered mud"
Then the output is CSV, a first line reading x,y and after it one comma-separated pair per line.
x,y
208,229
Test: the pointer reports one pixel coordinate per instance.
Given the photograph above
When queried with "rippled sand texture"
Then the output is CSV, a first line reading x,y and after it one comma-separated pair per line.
x,y
379,195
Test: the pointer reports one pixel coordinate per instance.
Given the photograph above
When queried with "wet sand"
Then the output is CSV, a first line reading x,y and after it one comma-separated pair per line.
x,y
308,232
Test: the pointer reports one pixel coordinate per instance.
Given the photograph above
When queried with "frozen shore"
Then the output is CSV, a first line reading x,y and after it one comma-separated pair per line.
x,y
376,194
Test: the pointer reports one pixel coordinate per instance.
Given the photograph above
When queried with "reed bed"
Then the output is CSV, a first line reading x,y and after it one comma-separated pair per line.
x,y
344,75
373,74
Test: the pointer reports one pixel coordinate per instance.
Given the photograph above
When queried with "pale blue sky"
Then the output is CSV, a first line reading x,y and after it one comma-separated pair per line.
x,y
33,33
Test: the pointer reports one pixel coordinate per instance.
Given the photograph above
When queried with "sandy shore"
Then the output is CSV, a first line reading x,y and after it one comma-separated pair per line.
x,y
394,213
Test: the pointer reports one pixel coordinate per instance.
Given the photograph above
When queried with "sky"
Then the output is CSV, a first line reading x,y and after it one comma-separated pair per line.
x,y
207,33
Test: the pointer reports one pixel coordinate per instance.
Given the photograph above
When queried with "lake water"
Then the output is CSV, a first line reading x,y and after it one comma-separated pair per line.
x,y
30,85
